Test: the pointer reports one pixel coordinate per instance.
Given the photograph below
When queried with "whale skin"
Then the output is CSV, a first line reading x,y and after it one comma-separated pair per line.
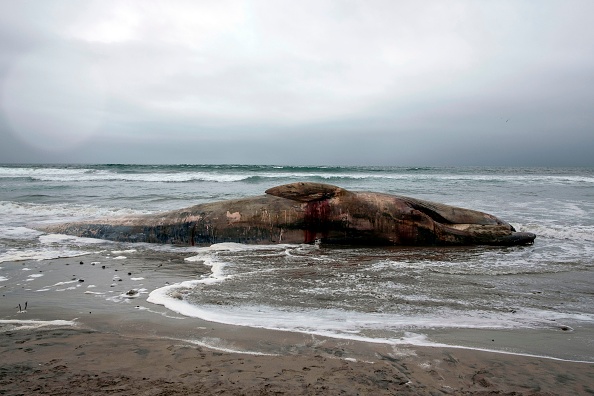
x,y
306,212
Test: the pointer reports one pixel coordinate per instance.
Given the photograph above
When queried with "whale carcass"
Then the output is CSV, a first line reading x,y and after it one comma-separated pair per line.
x,y
308,212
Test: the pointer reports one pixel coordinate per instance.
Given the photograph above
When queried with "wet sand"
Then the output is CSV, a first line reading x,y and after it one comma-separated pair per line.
x,y
66,361
127,346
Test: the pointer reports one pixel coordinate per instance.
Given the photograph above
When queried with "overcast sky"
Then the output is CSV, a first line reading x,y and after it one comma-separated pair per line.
x,y
298,82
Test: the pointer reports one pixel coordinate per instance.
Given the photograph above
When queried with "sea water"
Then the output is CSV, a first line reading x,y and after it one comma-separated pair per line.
x,y
541,294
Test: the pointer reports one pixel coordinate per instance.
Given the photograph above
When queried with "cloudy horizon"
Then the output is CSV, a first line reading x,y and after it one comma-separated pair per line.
x,y
504,83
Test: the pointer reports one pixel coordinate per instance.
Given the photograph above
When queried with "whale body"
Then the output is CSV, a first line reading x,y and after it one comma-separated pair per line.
x,y
306,213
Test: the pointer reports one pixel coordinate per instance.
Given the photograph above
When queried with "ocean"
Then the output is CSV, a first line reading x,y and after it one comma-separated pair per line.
x,y
534,300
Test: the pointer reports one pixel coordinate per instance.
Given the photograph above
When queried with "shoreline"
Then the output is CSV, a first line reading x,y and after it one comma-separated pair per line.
x,y
138,348
73,360
64,289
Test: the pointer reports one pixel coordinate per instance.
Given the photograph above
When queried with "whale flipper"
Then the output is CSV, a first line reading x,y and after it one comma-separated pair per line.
x,y
306,192
447,214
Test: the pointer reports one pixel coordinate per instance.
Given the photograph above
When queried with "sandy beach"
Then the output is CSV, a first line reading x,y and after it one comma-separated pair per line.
x,y
109,344
67,361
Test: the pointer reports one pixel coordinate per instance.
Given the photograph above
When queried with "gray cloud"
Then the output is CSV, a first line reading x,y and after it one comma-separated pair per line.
x,y
460,82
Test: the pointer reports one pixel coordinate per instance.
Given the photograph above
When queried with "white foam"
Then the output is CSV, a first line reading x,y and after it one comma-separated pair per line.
x,y
548,316
561,232
349,324
241,247
14,324
18,233
3,279
230,175
64,283
120,258
550,258
221,345
165,314
123,251
40,173
19,214
136,279
47,239
86,175
39,254
35,275
209,256
216,268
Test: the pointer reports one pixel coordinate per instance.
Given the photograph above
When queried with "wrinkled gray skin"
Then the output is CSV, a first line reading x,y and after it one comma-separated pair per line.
x,y
308,212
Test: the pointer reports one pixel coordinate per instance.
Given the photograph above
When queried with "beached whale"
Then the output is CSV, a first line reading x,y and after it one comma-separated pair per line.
x,y
306,213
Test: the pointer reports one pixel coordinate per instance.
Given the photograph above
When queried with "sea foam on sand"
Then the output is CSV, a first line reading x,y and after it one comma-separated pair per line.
x,y
15,324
